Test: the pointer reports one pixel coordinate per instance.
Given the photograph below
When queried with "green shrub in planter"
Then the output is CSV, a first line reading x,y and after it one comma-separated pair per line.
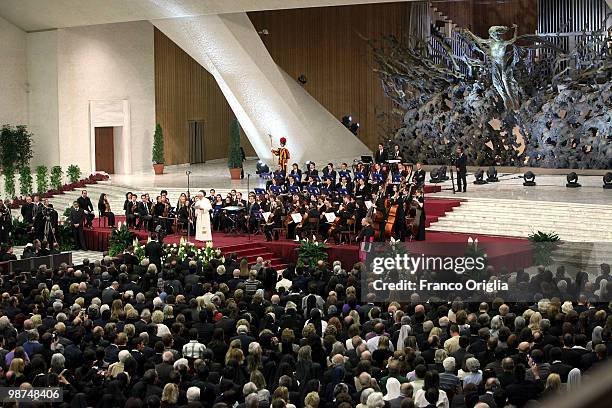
x,y
25,181
42,179
74,173
56,177
9,181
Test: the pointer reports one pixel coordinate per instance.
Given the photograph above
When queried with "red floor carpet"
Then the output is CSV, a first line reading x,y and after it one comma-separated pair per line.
x,y
501,251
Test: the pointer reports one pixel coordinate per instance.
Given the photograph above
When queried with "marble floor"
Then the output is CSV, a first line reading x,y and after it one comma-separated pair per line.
x,y
550,187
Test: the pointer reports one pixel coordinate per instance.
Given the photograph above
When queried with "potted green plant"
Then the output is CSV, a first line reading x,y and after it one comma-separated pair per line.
x,y
234,156
158,150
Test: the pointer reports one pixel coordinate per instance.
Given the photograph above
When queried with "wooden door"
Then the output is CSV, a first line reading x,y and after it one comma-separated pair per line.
x,y
197,153
105,151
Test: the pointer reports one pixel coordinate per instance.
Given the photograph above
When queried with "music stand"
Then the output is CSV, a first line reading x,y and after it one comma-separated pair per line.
x,y
367,159
377,177
314,190
359,175
344,174
342,191
259,191
396,178
276,190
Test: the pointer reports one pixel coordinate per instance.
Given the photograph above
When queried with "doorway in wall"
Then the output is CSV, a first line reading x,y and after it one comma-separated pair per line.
x,y
197,153
105,150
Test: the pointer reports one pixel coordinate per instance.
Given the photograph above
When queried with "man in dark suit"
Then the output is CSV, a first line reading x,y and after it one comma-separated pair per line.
x,y
76,219
381,154
419,176
557,366
144,211
154,251
461,166
87,207
27,210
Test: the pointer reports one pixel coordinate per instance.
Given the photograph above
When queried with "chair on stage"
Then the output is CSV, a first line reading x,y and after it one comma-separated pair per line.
x,y
100,217
350,233
280,230
311,227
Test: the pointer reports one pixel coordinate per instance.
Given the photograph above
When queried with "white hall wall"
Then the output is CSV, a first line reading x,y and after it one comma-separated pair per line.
x,y
13,75
107,62
42,97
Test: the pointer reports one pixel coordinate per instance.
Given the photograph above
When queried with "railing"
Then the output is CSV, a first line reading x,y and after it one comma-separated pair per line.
x,y
29,264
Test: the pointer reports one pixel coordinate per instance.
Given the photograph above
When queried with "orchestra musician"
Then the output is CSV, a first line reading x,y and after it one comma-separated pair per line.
x,y
312,170
345,213
87,206
105,210
144,211
311,213
419,201
131,210
329,171
275,220
295,172
363,190
218,217
367,231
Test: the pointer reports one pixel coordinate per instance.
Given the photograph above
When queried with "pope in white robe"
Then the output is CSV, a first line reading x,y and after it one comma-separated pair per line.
x,y
203,230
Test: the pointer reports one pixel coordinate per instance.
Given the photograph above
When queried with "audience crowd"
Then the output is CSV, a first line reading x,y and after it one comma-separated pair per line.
x,y
124,333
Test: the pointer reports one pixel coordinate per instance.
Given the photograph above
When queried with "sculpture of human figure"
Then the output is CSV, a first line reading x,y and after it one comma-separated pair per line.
x,y
501,72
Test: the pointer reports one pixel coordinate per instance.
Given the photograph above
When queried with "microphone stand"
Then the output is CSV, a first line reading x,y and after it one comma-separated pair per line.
x,y
188,173
248,191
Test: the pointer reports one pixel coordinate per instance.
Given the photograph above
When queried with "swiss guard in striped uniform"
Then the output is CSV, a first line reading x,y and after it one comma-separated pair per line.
x,y
283,154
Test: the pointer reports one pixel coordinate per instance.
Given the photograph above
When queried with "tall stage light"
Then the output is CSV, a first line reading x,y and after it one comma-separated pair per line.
x,y
572,180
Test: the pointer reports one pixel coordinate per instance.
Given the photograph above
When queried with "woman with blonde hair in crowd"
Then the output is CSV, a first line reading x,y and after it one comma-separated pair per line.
x,y
169,396
553,385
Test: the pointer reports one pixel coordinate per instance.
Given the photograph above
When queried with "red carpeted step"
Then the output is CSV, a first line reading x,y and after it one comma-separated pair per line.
x,y
432,188
439,207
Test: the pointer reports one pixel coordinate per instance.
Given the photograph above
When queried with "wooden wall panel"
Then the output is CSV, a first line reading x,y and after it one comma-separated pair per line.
x,y
487,13
325,45
185,91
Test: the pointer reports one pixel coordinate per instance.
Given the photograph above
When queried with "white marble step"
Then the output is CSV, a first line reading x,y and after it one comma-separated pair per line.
x,y
567,235
528,219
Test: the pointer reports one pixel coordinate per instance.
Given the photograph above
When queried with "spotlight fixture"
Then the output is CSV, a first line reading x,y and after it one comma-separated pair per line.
x,y
354,128
263,32
572,180
492,175
479,175
302,79
346,120
437,175
529,179
262,168
607,180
